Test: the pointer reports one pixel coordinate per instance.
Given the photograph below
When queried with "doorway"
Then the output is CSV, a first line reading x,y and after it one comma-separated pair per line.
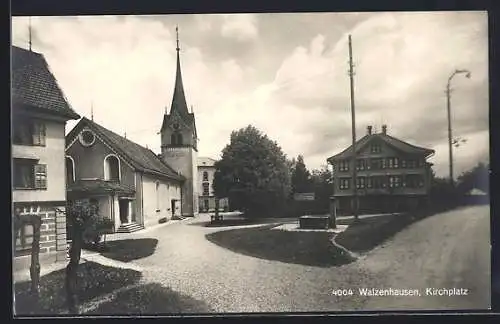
x,y
172,206
123,206
206,205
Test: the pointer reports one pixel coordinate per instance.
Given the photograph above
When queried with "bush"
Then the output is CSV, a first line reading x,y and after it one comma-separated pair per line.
x,y
94,232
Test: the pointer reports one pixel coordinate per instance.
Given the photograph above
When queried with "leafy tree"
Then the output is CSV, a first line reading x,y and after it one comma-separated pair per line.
x,y
322,183
300,177
253,173
79,218
477,177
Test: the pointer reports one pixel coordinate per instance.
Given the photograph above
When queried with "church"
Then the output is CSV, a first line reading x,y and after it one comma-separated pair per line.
x,y
132,185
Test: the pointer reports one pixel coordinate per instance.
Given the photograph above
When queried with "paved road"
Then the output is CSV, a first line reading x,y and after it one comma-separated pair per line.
x,y
450,250
445,251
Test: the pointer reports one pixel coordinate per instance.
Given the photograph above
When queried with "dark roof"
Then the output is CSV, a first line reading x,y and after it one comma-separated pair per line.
x,y
179,98
141,158
34,85
99,186
392,141
179,104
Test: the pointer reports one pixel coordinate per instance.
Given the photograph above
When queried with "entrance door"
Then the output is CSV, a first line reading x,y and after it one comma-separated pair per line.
x,y
123,206
206,204
172,206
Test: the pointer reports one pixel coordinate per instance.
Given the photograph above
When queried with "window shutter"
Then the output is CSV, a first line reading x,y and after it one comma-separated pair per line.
x,y
40,176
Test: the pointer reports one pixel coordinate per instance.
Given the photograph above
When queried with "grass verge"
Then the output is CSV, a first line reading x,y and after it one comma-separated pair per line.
x,y
94,280
129,250
367,233
306,248
150,299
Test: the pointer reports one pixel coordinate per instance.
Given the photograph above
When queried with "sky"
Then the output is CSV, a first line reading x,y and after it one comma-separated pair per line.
x,y
286,74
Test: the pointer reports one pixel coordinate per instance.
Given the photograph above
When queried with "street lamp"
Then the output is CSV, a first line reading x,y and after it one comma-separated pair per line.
x,y
448,101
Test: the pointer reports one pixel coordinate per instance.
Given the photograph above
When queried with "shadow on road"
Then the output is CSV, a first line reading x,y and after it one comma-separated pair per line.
x,y
151,299
129,250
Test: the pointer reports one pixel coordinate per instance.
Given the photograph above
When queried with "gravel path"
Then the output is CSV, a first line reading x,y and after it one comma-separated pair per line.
x,y
447,250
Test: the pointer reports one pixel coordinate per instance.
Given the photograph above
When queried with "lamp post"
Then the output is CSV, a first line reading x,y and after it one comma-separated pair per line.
x,y
448,106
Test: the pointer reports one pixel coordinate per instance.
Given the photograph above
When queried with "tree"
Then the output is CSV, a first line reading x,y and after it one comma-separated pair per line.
x,y
253,173
322,183
79,218
300,177
475,178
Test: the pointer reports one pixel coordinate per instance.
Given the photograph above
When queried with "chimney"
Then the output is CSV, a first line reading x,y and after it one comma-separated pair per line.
x,y
384,129
369,129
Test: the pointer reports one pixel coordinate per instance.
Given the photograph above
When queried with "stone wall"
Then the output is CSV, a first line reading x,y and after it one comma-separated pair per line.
x,y
52,231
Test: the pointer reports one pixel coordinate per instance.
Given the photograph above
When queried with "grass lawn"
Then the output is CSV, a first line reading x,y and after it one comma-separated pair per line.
x,y
128,250
307,248
150,299
93,280
367,233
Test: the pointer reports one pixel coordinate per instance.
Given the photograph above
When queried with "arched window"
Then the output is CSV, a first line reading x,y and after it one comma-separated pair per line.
x,y
176,138
157,187
111,168
70,170
205,176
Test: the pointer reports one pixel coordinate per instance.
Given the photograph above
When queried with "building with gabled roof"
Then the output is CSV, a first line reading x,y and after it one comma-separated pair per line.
x,y
392,175
131,184
206,174
39,114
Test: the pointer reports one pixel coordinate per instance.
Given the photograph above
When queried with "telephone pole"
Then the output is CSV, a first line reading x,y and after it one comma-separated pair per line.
x,y
353,128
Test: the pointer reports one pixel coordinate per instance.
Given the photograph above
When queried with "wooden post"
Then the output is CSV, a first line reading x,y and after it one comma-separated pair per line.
x,y
217,203
333,213
36,222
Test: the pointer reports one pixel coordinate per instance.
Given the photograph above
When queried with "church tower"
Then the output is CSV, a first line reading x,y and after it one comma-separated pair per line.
x,y
179,147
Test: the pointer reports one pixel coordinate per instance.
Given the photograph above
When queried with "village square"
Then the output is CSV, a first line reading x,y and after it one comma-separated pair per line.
x,y
130,200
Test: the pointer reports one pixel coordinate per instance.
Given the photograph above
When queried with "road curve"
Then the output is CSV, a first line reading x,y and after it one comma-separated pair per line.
x,y
446,251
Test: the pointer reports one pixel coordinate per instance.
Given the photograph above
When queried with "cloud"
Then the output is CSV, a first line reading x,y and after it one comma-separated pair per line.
x,y
241,27
284,73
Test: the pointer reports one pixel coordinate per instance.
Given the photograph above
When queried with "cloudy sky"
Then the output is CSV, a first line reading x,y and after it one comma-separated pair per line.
x,y
284,73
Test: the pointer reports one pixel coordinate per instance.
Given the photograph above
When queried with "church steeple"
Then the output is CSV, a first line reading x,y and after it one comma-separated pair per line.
x,y
179,99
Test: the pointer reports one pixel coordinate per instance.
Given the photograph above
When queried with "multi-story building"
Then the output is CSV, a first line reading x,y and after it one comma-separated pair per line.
x,y
39,115
392,175
206,172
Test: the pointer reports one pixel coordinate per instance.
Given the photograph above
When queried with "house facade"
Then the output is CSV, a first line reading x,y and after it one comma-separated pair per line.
x,y
392,175
206,173
131,185
39,115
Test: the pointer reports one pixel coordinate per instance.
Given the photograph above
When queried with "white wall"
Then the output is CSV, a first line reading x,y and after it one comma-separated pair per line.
x,y
53,156
167,190
211,173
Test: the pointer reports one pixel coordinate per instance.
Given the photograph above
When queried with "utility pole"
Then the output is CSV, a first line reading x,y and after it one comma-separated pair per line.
x,y
353,127
29,32
448,110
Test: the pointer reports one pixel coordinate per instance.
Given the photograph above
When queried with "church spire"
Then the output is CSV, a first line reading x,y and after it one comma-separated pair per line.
x,y
179,99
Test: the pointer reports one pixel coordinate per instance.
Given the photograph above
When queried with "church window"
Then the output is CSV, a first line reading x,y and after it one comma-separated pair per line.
x,y
111,168
205,176
157,195
179,139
